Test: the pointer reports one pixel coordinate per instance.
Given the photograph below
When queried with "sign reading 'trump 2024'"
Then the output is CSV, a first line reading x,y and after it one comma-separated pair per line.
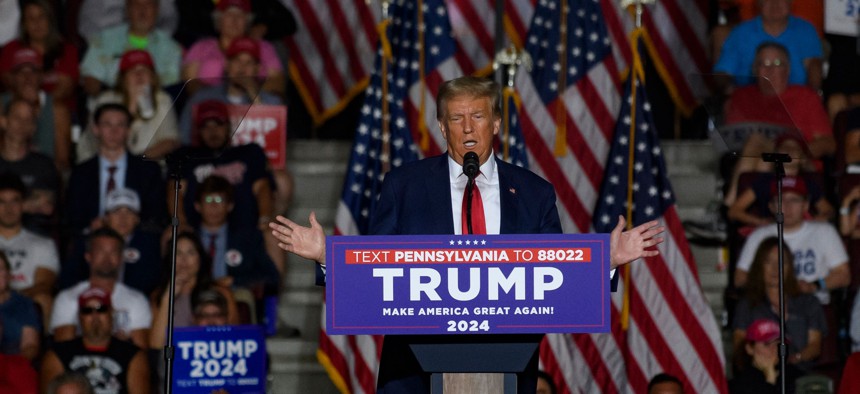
x,y
472,284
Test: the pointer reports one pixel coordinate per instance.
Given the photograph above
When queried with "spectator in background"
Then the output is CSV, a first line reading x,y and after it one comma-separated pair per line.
x,y
774,24
16,372
94,16
805,324
193,280
852,138
40,32
141,258
775,101
239,255
757,362
113,167
20,331
36,170
99,67
245,166
821,262
205,62
272,21
111,365
130,308
211,308
752,207
53,135
154,130
33,258
545,385
663,383
70,383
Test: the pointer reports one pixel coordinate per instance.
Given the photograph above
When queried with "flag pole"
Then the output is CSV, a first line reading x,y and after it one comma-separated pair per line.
x,y
507,61
637,73
385,48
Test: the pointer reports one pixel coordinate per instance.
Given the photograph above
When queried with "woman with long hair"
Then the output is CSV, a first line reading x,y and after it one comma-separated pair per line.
x,y
805,325
193,275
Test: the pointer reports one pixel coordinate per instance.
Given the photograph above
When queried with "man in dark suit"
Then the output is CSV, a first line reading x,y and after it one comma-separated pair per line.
x,y
112,168
426,197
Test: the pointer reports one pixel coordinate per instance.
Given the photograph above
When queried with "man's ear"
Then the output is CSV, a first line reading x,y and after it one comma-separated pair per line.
x,y
198,207
497,125
443,130
2,123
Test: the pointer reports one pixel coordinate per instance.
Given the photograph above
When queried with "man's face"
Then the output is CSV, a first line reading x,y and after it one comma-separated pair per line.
x,y
794,207
27,82
122,220
210,315
35,22
772,69
214,134
469,126
139,75
233,22
142,14
775,10
666,388
214,209
112,130
21,121
104,257
5,280
242,66
11,208
96,321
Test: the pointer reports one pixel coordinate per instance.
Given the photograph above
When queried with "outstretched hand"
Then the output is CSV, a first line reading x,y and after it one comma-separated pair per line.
x,y
307,242
638,242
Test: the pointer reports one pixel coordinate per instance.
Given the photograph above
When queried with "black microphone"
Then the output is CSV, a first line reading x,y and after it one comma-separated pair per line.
x,y
471,165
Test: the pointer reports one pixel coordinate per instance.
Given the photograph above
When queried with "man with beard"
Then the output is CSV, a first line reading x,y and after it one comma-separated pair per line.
x,y
111,365
131,312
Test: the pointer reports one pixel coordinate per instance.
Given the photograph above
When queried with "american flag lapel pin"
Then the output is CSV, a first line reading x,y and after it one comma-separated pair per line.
x,y
512,190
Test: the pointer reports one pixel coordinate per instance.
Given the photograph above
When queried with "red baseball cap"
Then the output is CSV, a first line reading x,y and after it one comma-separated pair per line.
x,y
790,184
211,110
94,293
244,45
762,330
135,57
26,57
244,5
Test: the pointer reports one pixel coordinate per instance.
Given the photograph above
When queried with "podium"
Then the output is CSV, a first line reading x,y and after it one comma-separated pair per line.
x,y
474,364
472,310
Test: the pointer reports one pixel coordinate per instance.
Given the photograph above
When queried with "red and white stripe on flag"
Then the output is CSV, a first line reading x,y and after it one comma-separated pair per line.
x,y
331,53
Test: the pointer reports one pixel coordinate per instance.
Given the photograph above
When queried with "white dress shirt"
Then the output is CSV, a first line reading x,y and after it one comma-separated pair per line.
x,y
488,183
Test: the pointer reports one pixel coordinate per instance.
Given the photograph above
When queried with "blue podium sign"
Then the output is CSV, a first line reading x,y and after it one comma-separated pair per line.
x,y
223,357
472,284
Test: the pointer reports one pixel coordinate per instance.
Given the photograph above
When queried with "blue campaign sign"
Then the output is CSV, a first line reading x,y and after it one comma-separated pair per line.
x,y
461,284
223,357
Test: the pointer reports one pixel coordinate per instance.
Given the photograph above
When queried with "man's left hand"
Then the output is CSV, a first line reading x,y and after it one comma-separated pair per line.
x,y
638,242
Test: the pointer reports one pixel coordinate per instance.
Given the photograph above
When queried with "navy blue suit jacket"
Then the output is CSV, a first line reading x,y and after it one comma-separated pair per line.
x,y
416,199
142,176
255,267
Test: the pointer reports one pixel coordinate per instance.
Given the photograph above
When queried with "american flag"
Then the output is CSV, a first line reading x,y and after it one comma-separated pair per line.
x,y
569,122
331,52
387,140
512,145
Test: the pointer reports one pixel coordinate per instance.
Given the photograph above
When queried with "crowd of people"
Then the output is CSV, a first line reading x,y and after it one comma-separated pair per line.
x,y
769,73
105,115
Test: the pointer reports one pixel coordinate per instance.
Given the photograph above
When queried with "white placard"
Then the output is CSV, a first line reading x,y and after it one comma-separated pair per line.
x,y
841,17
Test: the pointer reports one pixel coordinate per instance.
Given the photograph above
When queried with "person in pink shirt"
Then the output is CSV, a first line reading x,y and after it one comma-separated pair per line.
x,y
205,60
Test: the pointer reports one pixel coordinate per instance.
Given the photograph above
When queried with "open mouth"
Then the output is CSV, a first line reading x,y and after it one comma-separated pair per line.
x,y
470,144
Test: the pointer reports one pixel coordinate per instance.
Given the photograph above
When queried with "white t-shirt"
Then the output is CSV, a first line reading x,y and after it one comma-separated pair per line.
x,y
130,308
817,249
26,252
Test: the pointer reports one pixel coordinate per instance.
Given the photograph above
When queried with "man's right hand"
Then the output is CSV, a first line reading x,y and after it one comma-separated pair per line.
x,y
307,242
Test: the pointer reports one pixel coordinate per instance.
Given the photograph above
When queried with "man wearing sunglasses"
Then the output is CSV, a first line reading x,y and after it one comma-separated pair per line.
x,y
111,365
132,315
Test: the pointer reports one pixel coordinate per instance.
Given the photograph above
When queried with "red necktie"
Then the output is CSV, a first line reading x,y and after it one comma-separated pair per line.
x,y
111,183
212,239
478,225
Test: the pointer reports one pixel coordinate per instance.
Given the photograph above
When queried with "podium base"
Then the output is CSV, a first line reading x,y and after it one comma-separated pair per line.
x,y
468,383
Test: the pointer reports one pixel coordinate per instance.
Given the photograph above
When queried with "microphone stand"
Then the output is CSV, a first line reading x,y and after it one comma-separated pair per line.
x,y
174,164
778,160
470,186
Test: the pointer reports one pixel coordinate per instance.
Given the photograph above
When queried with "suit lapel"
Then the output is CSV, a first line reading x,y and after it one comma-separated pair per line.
x,y
438,185
508,201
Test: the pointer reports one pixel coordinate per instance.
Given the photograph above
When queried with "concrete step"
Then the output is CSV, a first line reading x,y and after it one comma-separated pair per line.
x,y
690,157
294,368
